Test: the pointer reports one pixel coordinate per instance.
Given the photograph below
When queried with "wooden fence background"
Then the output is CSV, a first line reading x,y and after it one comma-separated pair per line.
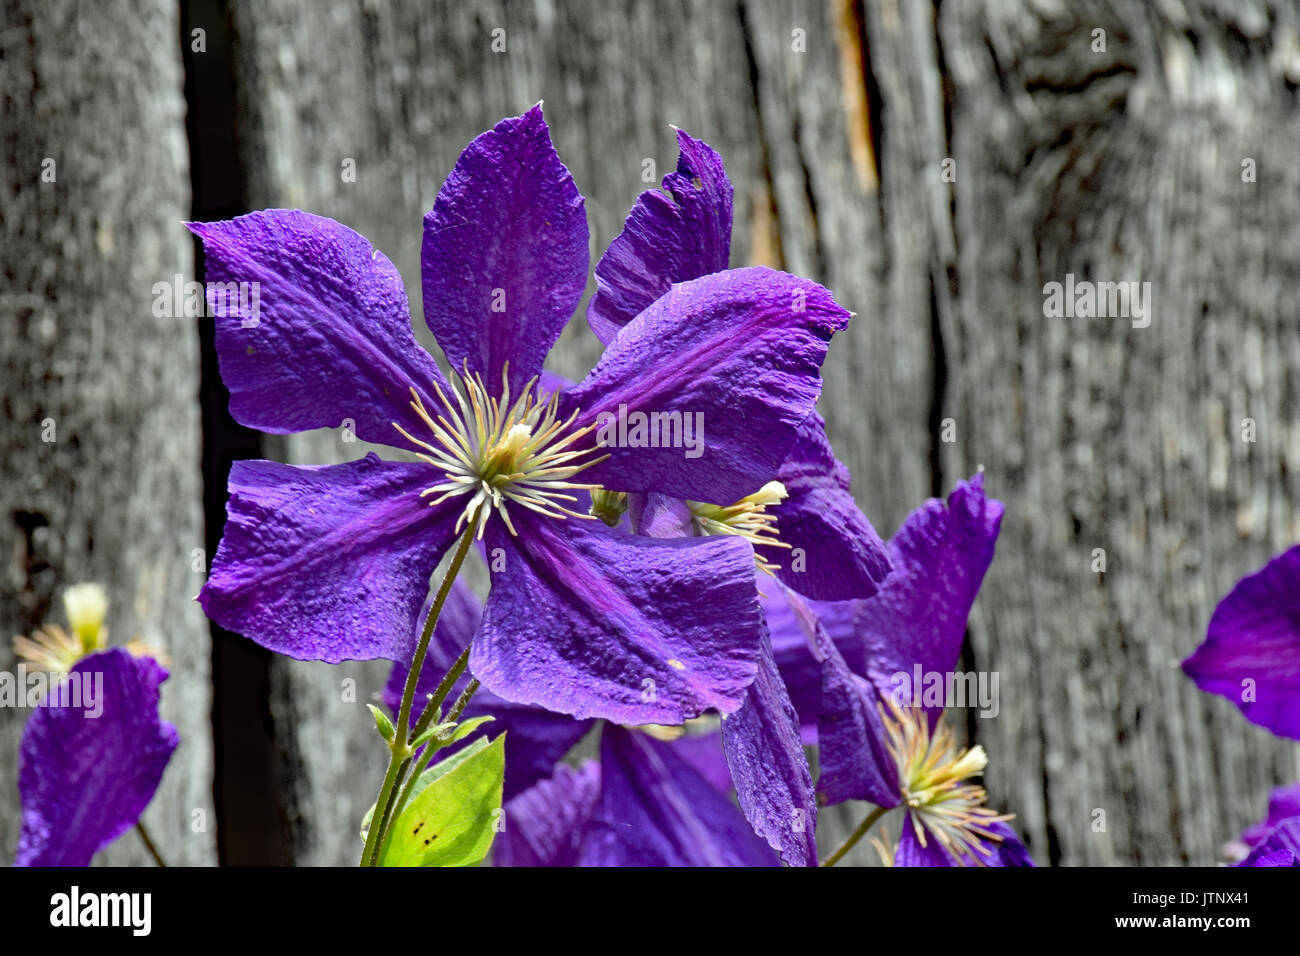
x,y
835,118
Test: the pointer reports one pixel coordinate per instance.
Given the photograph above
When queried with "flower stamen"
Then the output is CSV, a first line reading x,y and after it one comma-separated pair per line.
x,y
498,452
748,518
933,771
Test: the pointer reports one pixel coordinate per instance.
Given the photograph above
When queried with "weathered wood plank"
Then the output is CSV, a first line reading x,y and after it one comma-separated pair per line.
x,y
115,497
1124,165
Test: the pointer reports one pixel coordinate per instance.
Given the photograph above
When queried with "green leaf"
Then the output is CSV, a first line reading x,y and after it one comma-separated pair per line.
x,y
449,732
451,818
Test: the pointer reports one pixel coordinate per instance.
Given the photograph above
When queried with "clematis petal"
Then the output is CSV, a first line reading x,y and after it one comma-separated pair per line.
x,y
323,337
1251,653
1007,851
546,824
328,563
88,768
704,753
659,516
656,810
595,622
767,761
728,365
536,739
918,618
793,648
1281,847
504,260
1283,803
679,232
851,754
842,556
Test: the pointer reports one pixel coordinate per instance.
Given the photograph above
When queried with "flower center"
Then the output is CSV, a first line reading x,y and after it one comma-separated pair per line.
x,y
748,518
494,452
933,774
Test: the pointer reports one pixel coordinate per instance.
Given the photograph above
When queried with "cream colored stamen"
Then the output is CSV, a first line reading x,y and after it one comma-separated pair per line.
x,y
748,518
495,452
933,771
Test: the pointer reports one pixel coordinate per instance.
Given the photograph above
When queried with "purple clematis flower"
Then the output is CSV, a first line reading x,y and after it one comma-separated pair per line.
x,y
876,740
804,524
333,563
646,802
88,766
1251,653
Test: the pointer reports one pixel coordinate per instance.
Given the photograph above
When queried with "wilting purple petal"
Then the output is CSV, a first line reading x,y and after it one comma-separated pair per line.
x,y
656,810
835,553
1283,803
679,232
1007,851
736,356
323,336
594,622
918,618
1251,653
328,563
545,825
88,768
1273,850
769,768
504,260
536,739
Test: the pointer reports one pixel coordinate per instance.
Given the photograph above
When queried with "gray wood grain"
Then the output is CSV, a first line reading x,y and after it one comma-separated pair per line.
x,y
1124,165
115,498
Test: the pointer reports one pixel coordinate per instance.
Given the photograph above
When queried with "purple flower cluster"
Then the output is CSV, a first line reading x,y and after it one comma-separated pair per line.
x,y
710,611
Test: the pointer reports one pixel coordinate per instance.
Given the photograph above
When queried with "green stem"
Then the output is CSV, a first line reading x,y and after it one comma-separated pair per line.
x,y
856,835
148,843
427,758
439,696
399,746
380,817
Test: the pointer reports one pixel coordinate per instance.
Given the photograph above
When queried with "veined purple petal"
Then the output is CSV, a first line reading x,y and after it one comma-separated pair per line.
x,y
1273,850
1251,653
656,810
505,257
773,782
594,622
536,739
793,648
853,762
918,617
1008,851
546,824
1283,803
659,516
679,232
88,768
329,563
835,553
728,365
704,753
322,336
